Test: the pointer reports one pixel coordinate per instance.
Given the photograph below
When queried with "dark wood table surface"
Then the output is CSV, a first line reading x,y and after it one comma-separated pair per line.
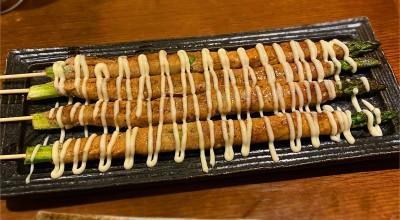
x,y
358,190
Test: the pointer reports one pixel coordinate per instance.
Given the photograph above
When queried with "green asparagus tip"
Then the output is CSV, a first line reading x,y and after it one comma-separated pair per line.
x,y
358,48
349,86
360,119
363,62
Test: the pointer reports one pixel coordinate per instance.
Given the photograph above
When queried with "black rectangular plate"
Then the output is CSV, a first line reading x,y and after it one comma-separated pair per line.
x,y
14,137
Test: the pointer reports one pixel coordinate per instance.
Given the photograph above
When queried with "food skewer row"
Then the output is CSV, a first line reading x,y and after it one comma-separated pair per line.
x,y
287,49
309,73
102,69
81,115
287,126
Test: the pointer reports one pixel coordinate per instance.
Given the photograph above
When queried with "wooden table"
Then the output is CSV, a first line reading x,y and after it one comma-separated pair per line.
x,y
353,191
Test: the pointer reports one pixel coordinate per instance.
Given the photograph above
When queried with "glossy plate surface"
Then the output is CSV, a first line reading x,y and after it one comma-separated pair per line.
x,y
14,137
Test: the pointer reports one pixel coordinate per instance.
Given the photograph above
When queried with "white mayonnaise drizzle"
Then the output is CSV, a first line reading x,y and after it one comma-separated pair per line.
x,y
142,80
58,158
271,139
227,135
59,76
73,110
296,50
313,129
123,66
80,64
150,160
130,145
334,129
246,130
60,123
317,63
355,101
32,158
196,109
327,49
330,87
282,60
347,134
292,133
374,130
376,111
299,120
279,92
293,95
319,96
366,83
223,57
207,66
270,75
346,56
300,97
180,150
144,68
101,84
88,144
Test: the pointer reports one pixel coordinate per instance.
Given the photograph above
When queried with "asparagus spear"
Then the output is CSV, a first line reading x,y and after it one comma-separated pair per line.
x,y
44,91
357,48
41,121
359,120
362,62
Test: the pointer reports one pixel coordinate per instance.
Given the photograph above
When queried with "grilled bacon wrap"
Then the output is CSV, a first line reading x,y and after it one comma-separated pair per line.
x,y
197,63
279,124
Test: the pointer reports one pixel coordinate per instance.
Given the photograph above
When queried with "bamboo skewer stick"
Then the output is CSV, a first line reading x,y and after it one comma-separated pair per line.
x,y
12,157
13,91
22,75
13,119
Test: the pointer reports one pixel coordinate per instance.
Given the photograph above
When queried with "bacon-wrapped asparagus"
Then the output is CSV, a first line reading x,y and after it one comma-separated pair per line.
x,y
288,50
45,91
72,116
288,126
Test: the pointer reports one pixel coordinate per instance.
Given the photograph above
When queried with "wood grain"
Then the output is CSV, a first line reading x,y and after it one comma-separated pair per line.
x,y
369,190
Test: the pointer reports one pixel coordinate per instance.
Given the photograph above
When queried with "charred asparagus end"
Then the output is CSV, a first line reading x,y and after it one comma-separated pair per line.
x,y
49,72
349,86
360,119
362,62
43,155
41,122
42,91
358,48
